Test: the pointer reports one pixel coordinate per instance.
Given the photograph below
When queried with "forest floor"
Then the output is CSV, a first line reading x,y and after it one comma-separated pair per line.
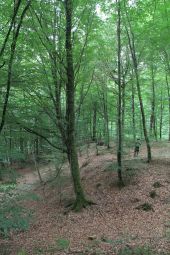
x,y
135,215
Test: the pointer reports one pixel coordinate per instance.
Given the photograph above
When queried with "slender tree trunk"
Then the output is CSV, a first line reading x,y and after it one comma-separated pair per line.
x,y
141,127
133,111
70,113
36,148
161,117
94,138
123,88
153,118
106,119
107,131
119,150
21,142
10,145
168,91
143,118
135,65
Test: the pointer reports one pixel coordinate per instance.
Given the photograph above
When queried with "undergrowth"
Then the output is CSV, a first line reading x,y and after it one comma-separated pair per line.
x,y
13,215
144,250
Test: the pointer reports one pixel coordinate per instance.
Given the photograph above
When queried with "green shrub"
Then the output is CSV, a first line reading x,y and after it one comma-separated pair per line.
x,y
8,174
157,185
145,207
153,194
136,251
62,244
22,252
13,217
6,187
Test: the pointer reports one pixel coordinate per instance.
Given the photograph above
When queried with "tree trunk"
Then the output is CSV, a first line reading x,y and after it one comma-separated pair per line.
x,y
168,91
36,148
70,113
161,117
133,112
21,141
123,88
135,66
94,122
106,119
152,118
119,150
149,156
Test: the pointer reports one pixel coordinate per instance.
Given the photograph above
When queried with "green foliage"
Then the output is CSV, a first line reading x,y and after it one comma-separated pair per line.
x,y
8,174
22,252
113,242
5,187
13,217
62,244
168,233
153,194
145,207
130,172
29,197
111,167
157,184
137,251
39,250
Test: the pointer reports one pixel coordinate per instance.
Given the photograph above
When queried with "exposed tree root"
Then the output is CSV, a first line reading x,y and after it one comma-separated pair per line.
x,y
79,204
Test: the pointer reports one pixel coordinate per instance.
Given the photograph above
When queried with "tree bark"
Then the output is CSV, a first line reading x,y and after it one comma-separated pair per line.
x,y
119,150
131,42
168,91
133,112
161,117
94,137
106,118
123,88
153,131
149,156
70,113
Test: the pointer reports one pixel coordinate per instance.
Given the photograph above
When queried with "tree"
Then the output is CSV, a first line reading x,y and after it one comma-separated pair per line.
x,y
119,152
131,41
16,30
70,113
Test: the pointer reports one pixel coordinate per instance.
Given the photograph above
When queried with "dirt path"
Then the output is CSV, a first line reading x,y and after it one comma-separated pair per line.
x,y
29,178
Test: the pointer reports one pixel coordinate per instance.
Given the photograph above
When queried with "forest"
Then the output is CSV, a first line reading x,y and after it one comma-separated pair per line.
x,y
85,127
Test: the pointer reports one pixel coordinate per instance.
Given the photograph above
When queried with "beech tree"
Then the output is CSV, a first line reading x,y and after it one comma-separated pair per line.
x,y
16,26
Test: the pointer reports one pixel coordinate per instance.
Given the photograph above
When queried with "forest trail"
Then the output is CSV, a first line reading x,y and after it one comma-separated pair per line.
x,y
116,220
29,178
